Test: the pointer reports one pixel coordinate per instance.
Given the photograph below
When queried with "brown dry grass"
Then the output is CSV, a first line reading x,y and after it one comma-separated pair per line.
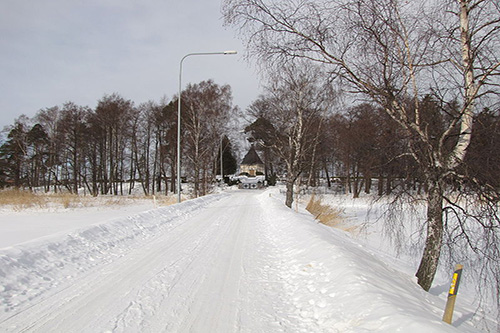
x,y
67,200
330,216
325,214
165,200
24,199
19,199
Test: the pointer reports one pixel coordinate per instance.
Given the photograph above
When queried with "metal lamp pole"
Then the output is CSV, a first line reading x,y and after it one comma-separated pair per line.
x,y
179,115
221,162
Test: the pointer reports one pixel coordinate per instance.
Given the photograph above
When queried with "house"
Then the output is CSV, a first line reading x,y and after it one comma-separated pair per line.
x,y
251,171
252,164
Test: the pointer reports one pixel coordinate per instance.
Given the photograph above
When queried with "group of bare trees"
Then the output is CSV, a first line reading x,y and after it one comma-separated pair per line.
x,y
394,53
208,112
100,150
290,119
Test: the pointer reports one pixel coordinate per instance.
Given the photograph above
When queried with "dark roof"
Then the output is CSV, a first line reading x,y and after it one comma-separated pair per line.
x,y
251,157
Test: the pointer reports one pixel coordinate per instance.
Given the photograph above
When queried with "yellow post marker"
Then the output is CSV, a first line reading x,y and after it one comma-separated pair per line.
x,y
452,295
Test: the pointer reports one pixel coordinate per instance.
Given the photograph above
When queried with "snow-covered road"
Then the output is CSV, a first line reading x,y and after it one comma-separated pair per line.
x,y
229,263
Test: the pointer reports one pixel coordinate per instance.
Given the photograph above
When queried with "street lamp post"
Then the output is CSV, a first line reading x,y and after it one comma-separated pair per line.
x,y
179,114
221,162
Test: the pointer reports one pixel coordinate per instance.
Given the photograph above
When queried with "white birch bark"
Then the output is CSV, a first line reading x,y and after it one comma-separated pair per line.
x,y
470,89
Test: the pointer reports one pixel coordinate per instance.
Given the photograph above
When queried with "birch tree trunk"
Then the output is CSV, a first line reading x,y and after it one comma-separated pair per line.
x,y
470,88
430,258
434,240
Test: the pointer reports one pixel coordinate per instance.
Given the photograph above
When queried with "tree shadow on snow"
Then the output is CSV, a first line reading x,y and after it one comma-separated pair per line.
x,y
438,290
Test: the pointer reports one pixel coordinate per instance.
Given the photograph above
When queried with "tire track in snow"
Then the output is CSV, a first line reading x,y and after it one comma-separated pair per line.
x,y
174,284
93,297
222,283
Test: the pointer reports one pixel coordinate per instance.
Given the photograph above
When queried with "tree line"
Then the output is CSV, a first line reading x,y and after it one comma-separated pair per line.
x,y
98,151
301,130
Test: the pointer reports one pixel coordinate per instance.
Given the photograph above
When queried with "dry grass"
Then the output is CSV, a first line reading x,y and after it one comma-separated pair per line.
x,y
165,200
330,216
67,200
23,199
325,214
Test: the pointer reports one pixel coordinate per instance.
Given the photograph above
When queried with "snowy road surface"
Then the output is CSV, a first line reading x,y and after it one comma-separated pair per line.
x,y
239,262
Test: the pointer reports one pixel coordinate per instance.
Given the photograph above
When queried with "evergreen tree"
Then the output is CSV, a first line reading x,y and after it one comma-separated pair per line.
x,y
12,155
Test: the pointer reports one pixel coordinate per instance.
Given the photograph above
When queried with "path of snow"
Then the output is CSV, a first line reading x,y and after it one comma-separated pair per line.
x,y
239,262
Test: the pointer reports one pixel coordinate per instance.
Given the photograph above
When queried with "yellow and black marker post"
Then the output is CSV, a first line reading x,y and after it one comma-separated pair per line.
x,y
452,295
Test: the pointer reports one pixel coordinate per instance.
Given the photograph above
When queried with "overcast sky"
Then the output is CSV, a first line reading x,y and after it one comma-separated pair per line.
x,y
53,51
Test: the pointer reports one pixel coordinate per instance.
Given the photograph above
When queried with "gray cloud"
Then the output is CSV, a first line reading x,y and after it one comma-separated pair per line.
x,y
57,51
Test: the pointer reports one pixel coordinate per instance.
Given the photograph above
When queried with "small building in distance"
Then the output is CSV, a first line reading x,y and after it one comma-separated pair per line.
x,y
251,171
252,164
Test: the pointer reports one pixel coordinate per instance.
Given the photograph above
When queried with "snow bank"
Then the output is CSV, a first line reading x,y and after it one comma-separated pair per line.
x,y
333,282
34,267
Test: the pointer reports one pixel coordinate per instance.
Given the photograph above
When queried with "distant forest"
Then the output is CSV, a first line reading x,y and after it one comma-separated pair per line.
x,y
356,149
96,151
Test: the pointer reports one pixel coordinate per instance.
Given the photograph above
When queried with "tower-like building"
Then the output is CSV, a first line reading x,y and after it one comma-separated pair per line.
x,y
252,164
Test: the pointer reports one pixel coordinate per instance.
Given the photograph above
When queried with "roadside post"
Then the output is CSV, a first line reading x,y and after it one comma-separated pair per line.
x,y
452,295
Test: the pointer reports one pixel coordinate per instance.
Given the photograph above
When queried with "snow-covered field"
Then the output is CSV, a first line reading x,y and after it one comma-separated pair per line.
x,y
22,225
231,262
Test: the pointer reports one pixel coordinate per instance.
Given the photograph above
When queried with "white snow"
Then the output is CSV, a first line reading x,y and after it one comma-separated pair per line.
x,y
28,224
230,262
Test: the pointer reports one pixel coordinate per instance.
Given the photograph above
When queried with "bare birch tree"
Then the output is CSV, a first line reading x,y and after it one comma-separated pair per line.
x,y
207,107
291,115
394,52
73,128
